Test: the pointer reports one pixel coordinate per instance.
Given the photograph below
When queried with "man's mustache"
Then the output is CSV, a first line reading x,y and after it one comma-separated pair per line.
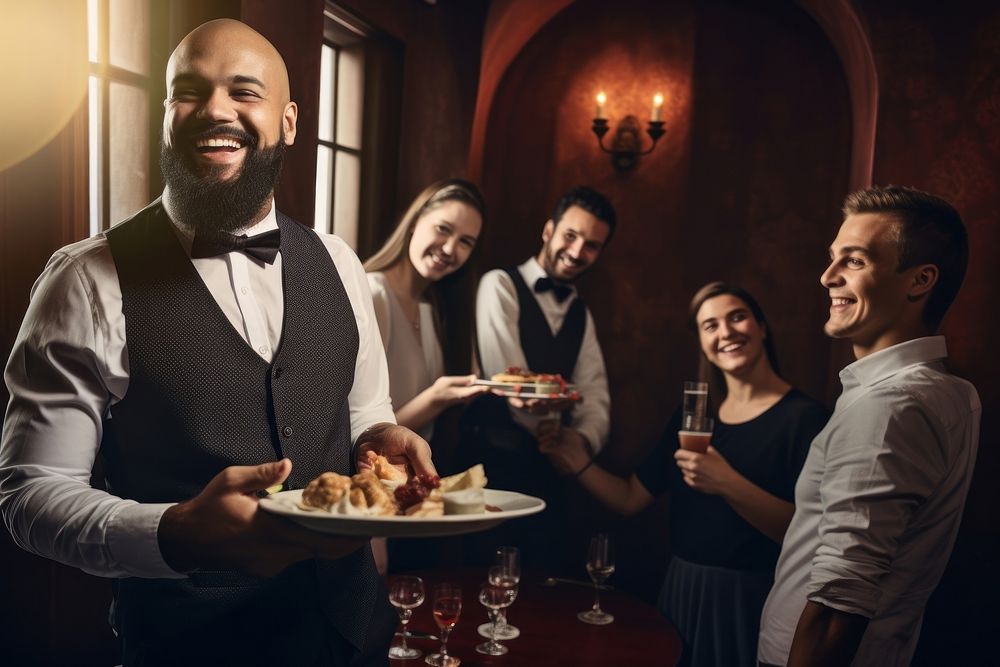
x,y
244,137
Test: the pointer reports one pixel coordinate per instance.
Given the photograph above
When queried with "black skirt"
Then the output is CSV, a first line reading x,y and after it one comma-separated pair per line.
x,y
716,610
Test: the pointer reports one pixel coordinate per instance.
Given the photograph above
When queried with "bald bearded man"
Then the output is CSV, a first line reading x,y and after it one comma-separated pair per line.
x,y
206,349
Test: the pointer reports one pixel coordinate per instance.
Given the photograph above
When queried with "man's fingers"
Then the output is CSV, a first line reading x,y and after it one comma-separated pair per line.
x,y
247,479
420,459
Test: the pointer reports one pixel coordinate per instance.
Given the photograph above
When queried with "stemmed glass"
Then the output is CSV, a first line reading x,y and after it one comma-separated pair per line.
x,y
447,608
405,594
506,573
600,565
496,599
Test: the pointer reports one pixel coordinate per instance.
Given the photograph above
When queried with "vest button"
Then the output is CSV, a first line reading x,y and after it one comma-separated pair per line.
x,y
278,372
287,431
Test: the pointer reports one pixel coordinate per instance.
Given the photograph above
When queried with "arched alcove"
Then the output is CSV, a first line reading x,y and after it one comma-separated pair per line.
x,y
745,186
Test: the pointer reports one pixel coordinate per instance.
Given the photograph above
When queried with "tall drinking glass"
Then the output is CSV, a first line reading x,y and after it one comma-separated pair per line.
x,y
696,426
600,566
505,573
447,601
405,594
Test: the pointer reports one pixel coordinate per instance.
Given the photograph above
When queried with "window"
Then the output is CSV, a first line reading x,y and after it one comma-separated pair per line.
x,y
119,109
357,150
338,155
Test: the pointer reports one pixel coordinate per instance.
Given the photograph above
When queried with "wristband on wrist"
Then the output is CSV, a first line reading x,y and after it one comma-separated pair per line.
x,y
583,469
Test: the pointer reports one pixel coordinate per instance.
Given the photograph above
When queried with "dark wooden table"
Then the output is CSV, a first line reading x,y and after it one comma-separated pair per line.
x,y
551,634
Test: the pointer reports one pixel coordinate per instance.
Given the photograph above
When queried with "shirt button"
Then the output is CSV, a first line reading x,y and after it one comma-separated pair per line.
x,y
244,290
287,431
262,349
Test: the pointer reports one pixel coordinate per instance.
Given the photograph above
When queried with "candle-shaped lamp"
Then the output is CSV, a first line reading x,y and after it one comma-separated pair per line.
x,y
657,107
601,99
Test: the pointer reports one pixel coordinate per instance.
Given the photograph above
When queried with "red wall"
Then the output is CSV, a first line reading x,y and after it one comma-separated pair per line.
x,y
744,187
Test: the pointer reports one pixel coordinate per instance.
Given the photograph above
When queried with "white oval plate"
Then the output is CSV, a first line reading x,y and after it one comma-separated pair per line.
x,y
511,504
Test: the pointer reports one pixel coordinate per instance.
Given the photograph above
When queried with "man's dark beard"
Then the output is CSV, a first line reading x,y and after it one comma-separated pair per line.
x,y
206,204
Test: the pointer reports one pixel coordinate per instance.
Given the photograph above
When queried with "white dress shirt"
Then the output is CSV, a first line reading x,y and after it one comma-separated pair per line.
x,y
497,313
69,365
413,354
878,502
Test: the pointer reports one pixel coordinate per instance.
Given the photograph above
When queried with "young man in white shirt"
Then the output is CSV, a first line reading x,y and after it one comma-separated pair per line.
x,y
204,367
530,316
879,500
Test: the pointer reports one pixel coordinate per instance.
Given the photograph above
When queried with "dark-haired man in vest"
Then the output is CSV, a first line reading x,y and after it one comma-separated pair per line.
x,y
530,316
880,498
206,349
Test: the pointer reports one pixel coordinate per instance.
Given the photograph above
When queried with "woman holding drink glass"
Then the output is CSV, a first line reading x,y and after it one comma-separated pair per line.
x,y
730,505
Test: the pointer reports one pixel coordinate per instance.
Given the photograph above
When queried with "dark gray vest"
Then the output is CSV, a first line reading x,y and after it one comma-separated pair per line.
x,y
200,399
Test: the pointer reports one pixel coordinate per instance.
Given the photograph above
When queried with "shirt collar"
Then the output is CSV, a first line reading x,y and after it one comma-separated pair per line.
x,y
186,235
531,271
879,365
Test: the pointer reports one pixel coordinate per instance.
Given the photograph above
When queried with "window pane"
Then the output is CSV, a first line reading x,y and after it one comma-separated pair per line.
x,y
129,35
96,185
128,150
324,188
93,33
327,90
347,193
350,96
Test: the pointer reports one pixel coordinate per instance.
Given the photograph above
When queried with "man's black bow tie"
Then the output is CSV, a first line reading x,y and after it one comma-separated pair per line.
x,y
561,292
260,246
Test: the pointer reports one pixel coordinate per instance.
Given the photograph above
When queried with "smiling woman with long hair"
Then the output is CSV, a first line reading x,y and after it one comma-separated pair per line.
x,y
730,506
422,299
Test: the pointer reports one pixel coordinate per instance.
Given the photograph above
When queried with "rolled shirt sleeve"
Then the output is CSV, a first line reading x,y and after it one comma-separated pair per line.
x,y
887,462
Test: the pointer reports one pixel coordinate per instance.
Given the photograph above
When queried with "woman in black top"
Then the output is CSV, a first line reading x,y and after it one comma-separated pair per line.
x,y
730,506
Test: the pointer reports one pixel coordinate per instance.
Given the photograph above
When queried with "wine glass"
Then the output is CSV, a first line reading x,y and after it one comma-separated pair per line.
x,y
508,575
600,565
495,598
405,594
447,608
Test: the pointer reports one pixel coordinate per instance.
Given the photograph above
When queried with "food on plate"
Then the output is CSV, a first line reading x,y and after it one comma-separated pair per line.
x,y
530,382
370,493
362,494
466,501
385,471
420,496
473,478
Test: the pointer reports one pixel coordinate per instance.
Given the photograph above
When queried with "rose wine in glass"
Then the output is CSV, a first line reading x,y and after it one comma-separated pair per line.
x,y
447,607
600,566
506,573
405,594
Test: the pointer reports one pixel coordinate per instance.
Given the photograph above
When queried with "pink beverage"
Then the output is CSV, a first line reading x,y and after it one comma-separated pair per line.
x,y
695,441
447,618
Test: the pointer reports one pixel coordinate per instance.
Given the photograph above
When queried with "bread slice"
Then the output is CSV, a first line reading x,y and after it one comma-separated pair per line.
x,y
473,478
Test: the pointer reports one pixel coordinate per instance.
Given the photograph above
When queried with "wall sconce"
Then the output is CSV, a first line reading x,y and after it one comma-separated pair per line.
x,y
626,146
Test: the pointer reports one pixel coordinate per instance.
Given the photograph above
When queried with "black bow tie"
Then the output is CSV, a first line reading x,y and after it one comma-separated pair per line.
x,y
260,246
561,292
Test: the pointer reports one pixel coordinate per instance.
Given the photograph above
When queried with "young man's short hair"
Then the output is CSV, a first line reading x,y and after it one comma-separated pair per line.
x,y
929,231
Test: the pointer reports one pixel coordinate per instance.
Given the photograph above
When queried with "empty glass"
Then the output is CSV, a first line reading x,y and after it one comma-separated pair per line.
x,y
600,566
405,594
495,599
508,575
